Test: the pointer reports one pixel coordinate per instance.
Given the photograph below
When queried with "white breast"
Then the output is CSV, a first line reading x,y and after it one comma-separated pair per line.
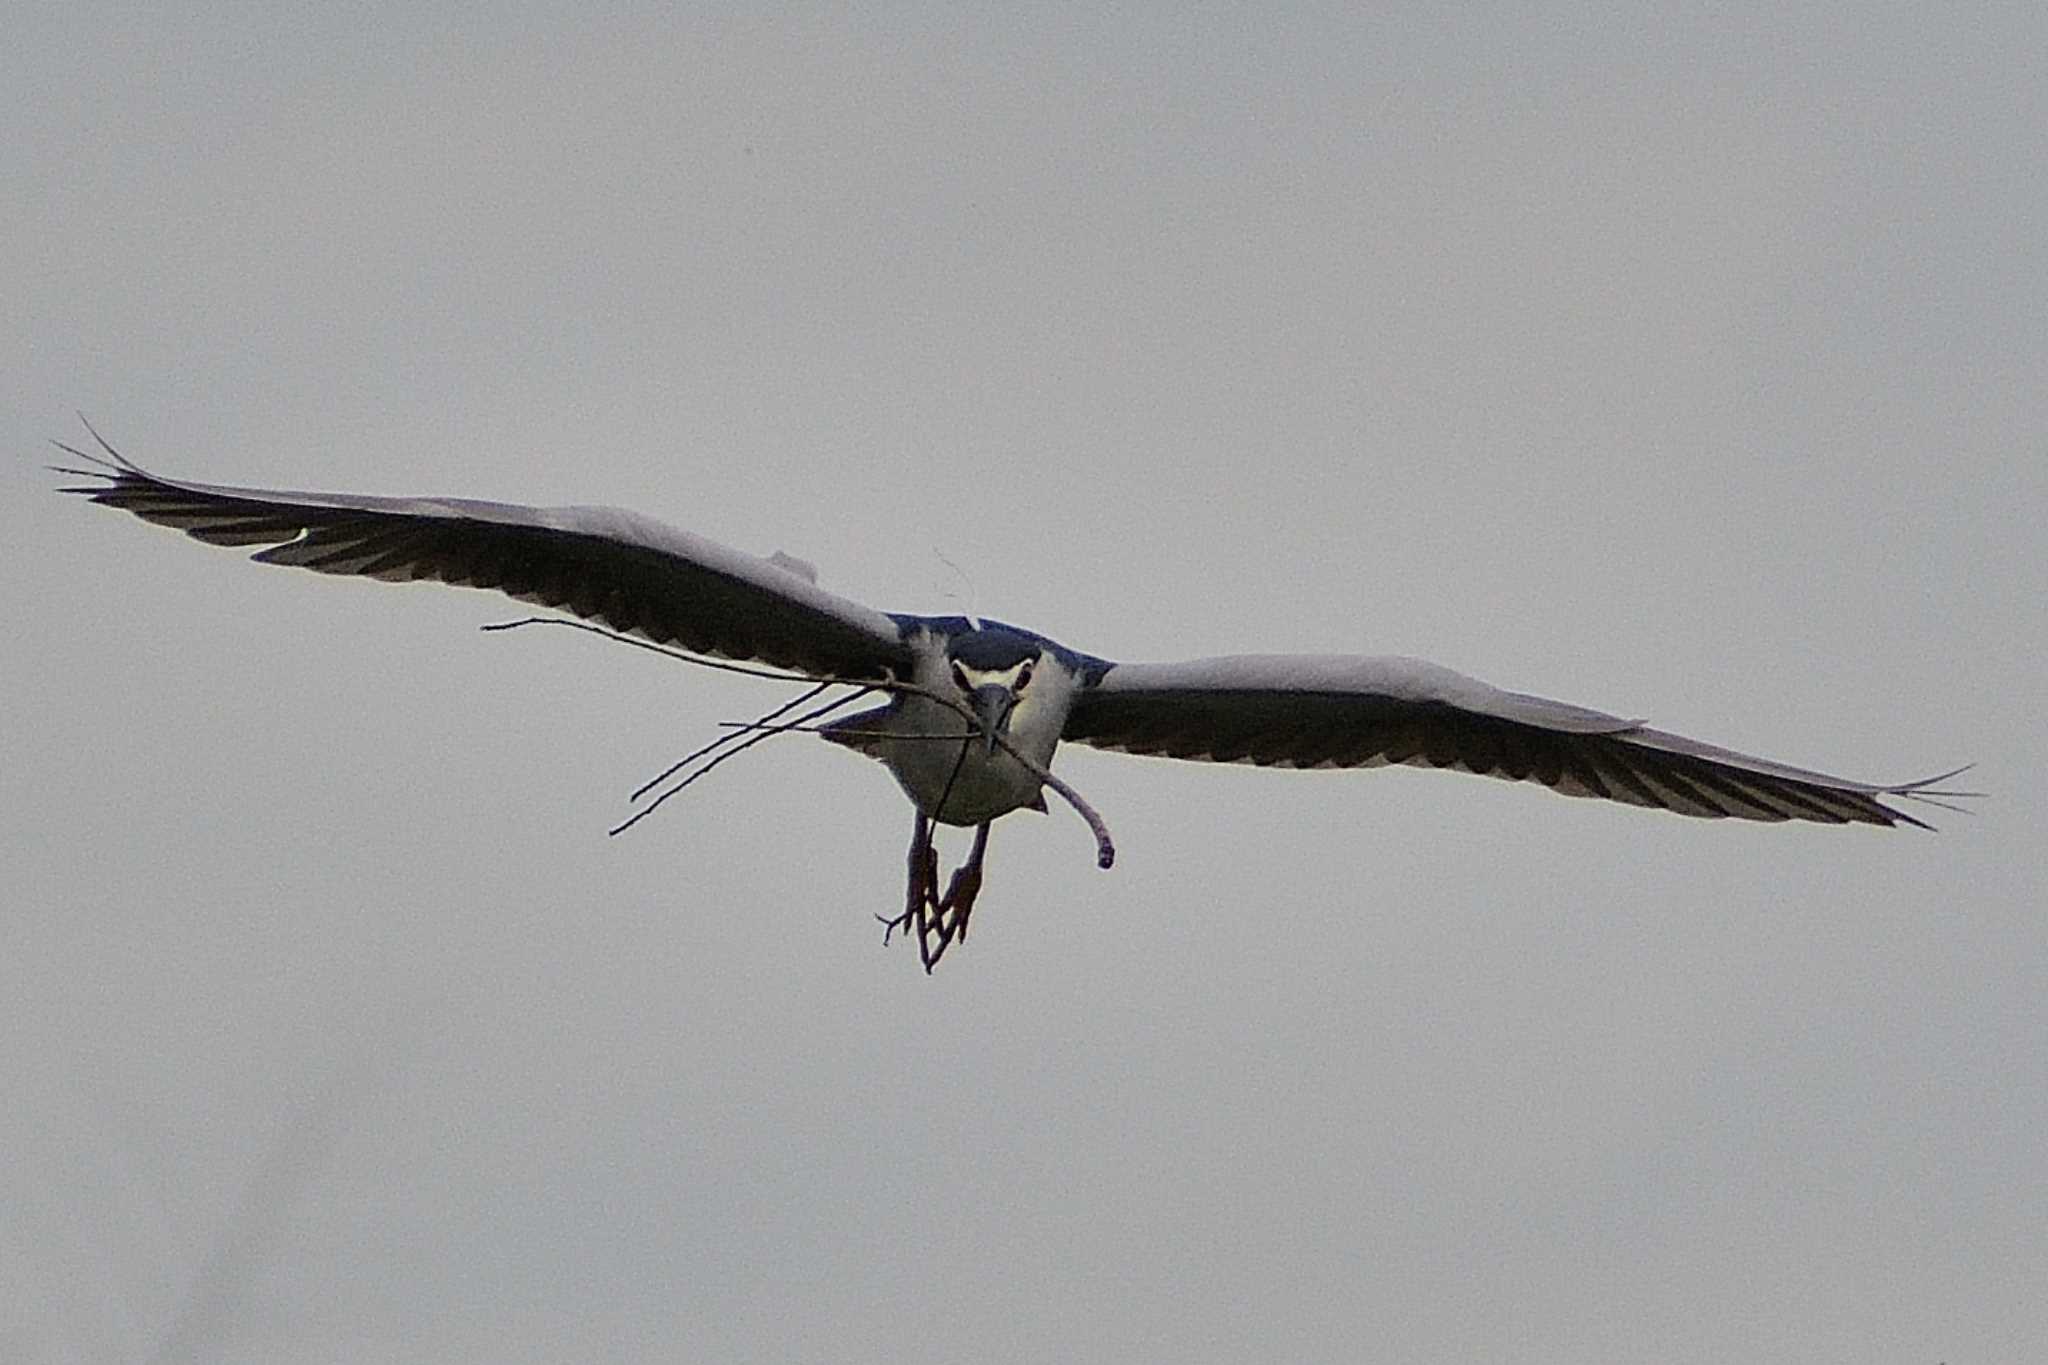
x,y
974,785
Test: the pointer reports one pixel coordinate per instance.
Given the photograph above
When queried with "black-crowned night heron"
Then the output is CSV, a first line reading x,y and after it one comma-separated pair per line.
x,y
976,707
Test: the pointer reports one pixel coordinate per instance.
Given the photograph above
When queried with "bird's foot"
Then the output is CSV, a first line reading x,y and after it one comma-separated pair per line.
x,y
939,921
943,923
923,896
960,896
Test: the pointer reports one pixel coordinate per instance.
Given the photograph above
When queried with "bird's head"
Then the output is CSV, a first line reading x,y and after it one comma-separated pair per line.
x,y
992,670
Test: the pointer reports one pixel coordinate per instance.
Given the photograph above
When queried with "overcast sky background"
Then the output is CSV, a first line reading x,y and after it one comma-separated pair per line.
x,y
1686,362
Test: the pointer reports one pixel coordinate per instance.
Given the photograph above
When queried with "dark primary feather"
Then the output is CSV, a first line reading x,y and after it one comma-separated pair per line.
x,y
624,570
1574,754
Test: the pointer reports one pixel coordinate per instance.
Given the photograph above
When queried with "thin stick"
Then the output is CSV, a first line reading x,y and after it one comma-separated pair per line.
x,y
1105,848
687,759
736,749
684,655
795,728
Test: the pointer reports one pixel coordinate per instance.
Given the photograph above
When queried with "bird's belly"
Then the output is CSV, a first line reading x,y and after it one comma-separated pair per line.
x,y
975,787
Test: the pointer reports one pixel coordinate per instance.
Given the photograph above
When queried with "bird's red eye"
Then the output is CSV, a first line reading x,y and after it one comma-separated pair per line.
x,y
1023,676
960,679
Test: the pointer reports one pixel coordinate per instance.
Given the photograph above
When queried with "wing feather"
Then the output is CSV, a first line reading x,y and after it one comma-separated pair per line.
x,y
1348,711
630,572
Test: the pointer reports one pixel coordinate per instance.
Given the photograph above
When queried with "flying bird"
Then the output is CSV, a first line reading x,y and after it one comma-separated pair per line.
x,y
975,709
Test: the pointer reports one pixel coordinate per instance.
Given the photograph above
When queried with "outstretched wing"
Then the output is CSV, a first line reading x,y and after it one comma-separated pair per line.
x,y
1350,711
628,571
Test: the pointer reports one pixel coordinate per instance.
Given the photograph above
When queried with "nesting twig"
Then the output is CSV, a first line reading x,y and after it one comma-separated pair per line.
x,y
1105,848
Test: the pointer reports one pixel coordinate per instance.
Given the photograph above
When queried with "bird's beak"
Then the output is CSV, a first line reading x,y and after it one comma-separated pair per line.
x,y
992,705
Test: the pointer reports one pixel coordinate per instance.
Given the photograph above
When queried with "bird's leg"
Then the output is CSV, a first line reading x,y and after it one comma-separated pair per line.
x,y
928,875
923,895
940,921
948,922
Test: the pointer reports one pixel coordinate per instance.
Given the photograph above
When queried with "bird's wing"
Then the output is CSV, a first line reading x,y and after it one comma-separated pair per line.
x,y
1350,711
628,571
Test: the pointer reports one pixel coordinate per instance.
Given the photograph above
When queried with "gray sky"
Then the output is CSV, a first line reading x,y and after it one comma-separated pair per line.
x,y
1686,364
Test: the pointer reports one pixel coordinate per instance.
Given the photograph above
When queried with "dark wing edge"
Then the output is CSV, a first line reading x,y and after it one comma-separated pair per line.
x,y
1319,711
629,572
